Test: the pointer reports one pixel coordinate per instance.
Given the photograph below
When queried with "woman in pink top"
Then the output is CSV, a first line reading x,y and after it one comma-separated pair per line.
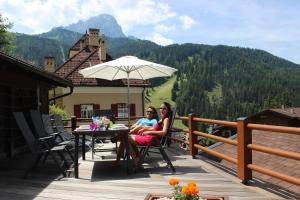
x,y
145,135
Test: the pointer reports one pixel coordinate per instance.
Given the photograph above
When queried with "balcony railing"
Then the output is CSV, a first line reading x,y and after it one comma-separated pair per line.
x,y
244,145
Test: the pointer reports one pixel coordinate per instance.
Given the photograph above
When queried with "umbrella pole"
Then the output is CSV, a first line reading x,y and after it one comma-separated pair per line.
x,y
128,99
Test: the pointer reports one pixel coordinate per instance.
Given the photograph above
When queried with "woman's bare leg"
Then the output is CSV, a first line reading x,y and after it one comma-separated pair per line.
x,y
134,153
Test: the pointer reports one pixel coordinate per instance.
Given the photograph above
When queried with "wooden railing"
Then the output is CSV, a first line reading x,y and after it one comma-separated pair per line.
x,y
73,120
243,144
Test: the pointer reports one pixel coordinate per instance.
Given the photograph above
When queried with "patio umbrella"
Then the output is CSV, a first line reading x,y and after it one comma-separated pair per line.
x,y
127,67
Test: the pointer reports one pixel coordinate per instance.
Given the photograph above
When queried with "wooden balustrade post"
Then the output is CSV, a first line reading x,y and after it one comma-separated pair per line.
x,y
73,122
244,154
192,137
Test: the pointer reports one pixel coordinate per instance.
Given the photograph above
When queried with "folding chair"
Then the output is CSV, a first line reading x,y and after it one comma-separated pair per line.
x,y
66,135
61,129
39,146
49,129
40,130
162,143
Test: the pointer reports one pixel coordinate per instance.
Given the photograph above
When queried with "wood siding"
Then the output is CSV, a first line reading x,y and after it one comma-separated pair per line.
x,y
18,92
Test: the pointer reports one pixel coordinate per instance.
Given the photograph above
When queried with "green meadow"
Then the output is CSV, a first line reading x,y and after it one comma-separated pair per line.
x,y
162,93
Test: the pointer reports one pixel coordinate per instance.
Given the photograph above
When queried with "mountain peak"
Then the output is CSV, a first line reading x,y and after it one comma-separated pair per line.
x,y
107,24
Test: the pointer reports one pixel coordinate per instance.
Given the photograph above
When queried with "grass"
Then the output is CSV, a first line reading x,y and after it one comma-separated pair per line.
x,y
162,93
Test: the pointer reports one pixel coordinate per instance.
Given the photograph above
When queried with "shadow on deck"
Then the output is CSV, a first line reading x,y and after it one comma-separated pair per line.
x,y
99,179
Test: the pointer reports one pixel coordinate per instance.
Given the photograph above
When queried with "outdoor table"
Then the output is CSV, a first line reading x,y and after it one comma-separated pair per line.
x,y
84,130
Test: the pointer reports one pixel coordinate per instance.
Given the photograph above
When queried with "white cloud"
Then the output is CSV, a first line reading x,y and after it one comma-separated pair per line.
x,y
162,28
160,39
42,15
143,12
39,16
187,22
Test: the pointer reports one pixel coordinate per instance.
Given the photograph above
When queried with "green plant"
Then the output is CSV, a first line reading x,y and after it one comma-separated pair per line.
x,y
189,191
54,109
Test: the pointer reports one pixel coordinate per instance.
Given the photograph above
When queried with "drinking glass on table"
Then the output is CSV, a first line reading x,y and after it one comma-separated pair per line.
x,y
106,122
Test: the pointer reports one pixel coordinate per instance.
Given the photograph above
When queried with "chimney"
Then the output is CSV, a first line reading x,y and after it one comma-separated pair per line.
x,y
49,63
94,36
102,49
81,44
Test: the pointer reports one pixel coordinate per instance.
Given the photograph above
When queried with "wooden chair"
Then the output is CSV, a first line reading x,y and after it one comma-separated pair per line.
x,y
39,147
162,143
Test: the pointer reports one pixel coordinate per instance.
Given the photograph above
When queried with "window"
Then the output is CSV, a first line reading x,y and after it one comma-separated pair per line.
x,y
122,110
86,110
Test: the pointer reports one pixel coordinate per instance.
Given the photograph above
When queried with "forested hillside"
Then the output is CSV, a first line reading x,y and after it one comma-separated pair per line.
x,y
219,82
58,41
228,82
34,49
62,35
118,47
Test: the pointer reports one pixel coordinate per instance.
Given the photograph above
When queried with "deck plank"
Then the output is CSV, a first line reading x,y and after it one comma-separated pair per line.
x,y
100,180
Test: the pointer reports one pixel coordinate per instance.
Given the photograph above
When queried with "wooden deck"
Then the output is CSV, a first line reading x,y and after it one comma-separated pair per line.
x,y
102,180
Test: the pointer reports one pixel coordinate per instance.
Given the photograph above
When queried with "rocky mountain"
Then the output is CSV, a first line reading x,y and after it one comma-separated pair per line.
x,y
106,23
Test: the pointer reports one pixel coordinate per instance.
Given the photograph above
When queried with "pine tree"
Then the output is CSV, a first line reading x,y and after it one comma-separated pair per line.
x,y
6,38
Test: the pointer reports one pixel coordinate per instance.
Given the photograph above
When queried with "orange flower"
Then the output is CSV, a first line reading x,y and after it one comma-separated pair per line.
x,y
193,190
185,190
191,183
173,181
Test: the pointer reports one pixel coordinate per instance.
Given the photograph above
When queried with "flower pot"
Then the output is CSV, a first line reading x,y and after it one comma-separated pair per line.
x,y
159,196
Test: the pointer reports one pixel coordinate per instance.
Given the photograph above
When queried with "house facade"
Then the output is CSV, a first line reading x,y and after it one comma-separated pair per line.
x,y
90,93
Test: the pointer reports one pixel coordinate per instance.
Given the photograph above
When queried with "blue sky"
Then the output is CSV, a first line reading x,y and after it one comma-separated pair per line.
x,y
271,25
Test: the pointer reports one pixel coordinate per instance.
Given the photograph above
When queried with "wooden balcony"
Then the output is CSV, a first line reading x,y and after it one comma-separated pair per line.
x,y
102,180
99,179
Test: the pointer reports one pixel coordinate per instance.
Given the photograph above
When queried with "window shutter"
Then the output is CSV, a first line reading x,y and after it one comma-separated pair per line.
x,y
132,109
114,109
77,112
96,107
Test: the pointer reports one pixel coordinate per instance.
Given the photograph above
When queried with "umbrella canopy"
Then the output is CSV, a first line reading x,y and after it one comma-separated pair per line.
x,y
121,67
127,67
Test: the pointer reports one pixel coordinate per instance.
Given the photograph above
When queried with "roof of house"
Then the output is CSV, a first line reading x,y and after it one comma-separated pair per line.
x,y
50,77
291,113
288,142
86,57
76,45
